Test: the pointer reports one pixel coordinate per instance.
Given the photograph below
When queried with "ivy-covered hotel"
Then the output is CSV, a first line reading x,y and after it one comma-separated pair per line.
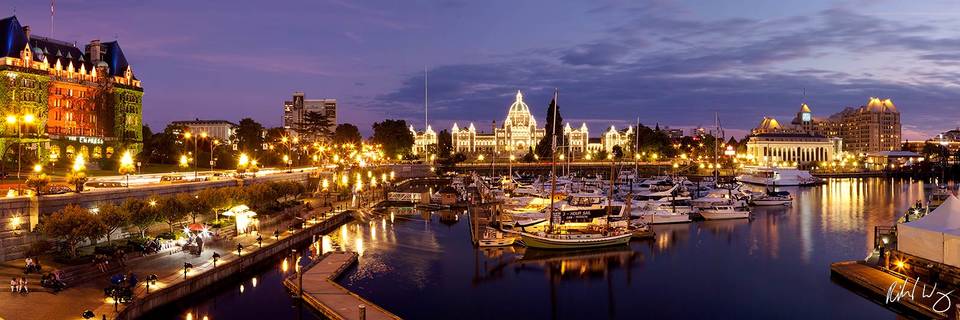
x,y
61,100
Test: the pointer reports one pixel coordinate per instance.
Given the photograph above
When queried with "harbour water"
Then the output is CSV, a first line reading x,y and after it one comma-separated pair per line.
x,y
420,265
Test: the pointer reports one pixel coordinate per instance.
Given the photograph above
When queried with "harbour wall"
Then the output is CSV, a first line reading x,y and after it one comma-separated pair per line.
x,y
226,270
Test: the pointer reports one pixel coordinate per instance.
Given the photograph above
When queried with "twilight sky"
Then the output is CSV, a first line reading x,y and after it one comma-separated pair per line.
x,y
674,62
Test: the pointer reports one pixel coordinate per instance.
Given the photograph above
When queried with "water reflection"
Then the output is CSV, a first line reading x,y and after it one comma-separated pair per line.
x,y
774,266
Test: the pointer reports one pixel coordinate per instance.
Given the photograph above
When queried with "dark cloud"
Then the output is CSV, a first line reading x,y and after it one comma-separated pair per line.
x,y
597,54
686,80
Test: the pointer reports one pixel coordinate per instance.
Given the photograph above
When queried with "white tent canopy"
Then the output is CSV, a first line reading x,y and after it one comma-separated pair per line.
x,y
934,237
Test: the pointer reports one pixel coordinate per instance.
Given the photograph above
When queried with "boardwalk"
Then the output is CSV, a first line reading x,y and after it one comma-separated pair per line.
x,y
874,284
323,293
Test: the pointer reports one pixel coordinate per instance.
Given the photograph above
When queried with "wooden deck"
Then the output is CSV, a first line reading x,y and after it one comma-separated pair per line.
x,y
874,283
336,302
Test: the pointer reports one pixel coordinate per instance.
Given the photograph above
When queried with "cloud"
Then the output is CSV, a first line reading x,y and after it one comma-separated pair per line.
x,y
597,54
691,69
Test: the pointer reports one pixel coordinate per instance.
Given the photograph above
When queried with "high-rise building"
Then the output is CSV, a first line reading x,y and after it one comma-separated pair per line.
x,y
870,128
60,100
295,112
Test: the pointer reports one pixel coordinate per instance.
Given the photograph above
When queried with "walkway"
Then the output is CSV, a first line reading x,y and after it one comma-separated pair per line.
x,y
88,294
322,292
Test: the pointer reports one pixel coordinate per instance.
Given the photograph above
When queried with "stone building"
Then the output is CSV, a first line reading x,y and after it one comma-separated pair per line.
x,y
60,100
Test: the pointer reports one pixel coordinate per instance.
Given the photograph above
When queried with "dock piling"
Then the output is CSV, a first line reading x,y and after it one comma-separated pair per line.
x,y
363,312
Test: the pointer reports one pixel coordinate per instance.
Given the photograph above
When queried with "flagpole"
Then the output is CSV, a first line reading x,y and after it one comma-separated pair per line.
x,y
52,12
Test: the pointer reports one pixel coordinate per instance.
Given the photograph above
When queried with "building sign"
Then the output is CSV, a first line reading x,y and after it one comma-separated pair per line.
x,y
85,140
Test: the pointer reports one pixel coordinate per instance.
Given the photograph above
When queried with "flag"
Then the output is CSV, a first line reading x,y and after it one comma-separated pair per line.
x,y
52,4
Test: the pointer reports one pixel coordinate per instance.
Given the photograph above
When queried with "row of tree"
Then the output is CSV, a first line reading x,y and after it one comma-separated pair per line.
x,y
74,224
167,146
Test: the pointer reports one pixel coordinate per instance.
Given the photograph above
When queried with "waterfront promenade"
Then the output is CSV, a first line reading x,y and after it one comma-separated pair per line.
x,y
168,265
321,291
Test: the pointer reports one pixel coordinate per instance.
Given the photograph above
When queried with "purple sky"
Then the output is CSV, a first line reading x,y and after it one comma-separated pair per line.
x,y
672,62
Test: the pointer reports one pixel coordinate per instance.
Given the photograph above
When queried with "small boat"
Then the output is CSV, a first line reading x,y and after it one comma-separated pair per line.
x,y
722,212
641,230
772,198
661,216
494,238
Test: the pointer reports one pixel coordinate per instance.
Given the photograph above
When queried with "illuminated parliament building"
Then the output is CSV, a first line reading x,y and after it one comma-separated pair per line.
x,y
518,135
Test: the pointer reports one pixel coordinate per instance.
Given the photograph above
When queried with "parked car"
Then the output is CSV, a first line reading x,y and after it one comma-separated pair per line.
x,y
172,178
56,189
104,184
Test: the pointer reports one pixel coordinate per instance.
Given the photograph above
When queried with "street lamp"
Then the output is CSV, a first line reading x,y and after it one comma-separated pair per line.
x,y
126,166
77,175
19,121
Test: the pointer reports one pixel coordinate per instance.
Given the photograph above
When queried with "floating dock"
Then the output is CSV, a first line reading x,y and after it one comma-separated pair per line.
x,y
321,291
874,284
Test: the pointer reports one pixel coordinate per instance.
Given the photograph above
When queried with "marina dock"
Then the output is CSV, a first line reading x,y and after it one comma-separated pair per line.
x,y
874,285
321,291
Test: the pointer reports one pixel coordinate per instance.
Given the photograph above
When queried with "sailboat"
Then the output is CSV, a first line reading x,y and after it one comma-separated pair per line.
x,y
592,235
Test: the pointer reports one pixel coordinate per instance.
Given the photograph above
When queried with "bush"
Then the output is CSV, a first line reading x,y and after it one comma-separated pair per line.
x,y
171,235
39,247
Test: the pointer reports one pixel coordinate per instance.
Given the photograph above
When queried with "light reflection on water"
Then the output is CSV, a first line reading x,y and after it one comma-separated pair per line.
x,y
419,265
779,262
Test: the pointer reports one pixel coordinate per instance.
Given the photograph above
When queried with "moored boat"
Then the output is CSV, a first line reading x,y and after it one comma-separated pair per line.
x,y
722,212
576,240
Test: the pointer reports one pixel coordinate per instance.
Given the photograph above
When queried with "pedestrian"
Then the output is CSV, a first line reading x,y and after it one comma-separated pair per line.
x,y
23,286
199,245
28,265
13,284
132,280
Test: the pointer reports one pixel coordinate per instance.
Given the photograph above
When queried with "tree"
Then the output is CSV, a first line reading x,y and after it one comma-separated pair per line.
x,y
544,146
315,125
617,152
529,157
142,214
77,179
394,136
601,155
347,133
71,225
38,182
162,147
249,136
113,217
444,144
171,211
191,205
215,200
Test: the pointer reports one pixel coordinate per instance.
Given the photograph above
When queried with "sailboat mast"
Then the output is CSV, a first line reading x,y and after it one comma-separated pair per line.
x,y
716,145
425,96
553,153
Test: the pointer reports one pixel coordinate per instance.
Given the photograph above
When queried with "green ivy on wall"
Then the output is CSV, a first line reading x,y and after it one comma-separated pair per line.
x,y
128,117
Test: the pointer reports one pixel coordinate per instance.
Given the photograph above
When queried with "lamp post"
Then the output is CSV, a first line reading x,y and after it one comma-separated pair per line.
x,y
19,121
213,145
186,268
126,166
216,256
